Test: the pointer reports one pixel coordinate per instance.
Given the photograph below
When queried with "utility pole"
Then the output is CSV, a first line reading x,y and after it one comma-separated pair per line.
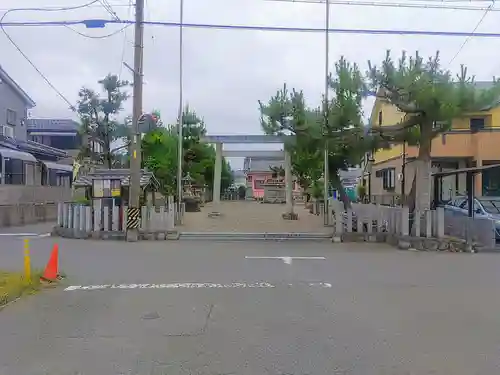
x,y
180,156
327,63
403,175
135,155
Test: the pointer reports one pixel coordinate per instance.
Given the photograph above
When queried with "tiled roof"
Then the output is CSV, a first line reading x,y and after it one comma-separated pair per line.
x,y
4,77
147,177
32,147
52,124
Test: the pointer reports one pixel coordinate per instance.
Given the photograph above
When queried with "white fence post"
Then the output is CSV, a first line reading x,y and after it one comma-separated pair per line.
x,y
60,208
440,222
97,206
428,224
81,227
106,218
404,221
88,219
124,221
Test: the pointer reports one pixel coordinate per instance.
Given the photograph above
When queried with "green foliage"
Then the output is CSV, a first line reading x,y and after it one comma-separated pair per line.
x,y
98,116
159,149
160,154
278,171
287,114
430,98
361,191
337,125
428,95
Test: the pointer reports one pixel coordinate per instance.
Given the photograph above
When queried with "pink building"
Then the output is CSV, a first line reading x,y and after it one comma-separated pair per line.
x,y
258,171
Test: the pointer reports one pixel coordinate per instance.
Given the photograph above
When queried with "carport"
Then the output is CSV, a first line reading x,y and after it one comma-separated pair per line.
x,y
469,184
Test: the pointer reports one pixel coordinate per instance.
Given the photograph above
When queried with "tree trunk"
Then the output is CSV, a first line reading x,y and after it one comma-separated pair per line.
x,y
419,199
423,170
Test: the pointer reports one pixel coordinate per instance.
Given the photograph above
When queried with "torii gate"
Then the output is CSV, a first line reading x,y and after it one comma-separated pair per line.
x,y
219,140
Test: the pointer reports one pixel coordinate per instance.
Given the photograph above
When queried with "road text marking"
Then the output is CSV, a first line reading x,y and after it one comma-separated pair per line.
x,y
259,285
286,260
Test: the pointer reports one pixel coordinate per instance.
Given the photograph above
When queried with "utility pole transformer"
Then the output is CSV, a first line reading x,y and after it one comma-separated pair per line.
x,y
134,209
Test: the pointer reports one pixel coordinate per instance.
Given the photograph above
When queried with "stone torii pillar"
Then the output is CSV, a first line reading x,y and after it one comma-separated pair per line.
x,y
217,180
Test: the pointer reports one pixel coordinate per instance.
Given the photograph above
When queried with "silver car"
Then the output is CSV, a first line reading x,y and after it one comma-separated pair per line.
x,y
483,207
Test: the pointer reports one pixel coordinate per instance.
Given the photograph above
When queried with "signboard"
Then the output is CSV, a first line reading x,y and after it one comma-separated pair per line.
x,y
98,188
106,188
116,187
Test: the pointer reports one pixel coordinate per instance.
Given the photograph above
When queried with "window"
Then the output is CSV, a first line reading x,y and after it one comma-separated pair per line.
x,y
11,117
7,131
14,171
258,184
380,118
389,179
476,124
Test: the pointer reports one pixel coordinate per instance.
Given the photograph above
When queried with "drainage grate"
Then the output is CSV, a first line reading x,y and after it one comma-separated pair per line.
x,y
253,236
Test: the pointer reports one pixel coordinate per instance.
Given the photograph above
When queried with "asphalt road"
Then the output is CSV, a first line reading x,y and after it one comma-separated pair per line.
x,y
362,310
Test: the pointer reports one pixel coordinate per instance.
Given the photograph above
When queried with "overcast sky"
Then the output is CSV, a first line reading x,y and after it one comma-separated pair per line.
x,y
227,71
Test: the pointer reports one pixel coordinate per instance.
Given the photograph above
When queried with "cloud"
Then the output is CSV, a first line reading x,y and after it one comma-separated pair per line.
x,y
226,71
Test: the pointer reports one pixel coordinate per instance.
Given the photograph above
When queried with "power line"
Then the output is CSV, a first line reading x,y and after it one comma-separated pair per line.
x,y
469,37
109,9
93,23
436,4
99,36
16,46
124,46
59,8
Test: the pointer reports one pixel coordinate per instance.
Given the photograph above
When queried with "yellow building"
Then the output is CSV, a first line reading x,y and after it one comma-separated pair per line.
x,y
473,140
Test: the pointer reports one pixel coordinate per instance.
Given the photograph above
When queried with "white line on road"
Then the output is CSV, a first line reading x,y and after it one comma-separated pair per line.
x,y
185,286
286,260
24,234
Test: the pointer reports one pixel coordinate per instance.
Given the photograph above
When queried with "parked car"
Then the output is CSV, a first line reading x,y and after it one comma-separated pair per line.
x,y
483,207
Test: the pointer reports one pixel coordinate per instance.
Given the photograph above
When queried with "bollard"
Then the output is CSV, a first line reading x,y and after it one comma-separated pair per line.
x,y
27,261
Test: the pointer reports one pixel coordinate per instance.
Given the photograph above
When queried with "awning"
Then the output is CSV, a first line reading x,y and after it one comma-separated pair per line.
x,y
14,154
58,167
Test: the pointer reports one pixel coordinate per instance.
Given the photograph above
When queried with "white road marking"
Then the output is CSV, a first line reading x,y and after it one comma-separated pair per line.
x,y
286,260
258,285
24,235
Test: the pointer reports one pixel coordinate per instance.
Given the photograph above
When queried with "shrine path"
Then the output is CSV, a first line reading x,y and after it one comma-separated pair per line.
x,y
252,217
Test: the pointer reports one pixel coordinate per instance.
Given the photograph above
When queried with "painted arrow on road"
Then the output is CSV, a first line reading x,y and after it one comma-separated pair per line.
x,y
286,260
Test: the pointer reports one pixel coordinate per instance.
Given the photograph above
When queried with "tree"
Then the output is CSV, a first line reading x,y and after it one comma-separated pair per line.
x,y
277,171
160,154
430,98
286,113
159,148
98,116
342,133
345,134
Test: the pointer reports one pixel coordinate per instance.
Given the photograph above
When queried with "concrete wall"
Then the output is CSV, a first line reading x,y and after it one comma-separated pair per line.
x,y
20,194
20,214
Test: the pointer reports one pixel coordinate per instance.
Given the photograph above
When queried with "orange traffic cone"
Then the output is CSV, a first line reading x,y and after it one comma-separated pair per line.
x,y
51,270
